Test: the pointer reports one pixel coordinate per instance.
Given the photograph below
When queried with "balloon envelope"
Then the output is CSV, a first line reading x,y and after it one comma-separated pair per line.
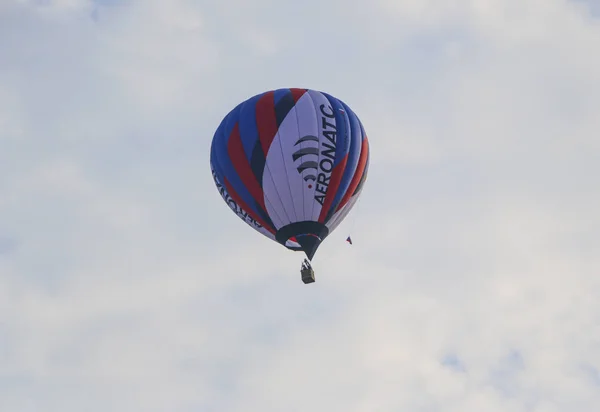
x,y
291,163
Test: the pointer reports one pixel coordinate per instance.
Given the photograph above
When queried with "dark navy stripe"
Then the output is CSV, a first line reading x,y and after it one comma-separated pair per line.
x,y
283,106
257,162
279,94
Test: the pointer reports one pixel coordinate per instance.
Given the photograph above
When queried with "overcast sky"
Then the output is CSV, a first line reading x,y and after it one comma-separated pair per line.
x,y
127,284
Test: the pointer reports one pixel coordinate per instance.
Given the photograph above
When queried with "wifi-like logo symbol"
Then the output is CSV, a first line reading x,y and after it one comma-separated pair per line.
x,y
307,163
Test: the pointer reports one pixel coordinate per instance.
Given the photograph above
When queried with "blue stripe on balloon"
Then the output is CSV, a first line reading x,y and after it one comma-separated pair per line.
x,y
362,129
353,157
342,140
342,144
215,165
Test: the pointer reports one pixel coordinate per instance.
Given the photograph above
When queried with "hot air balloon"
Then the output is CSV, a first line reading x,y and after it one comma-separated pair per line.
x,y
291,163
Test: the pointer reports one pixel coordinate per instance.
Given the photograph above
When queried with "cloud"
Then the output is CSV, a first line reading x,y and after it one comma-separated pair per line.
x,y
127,284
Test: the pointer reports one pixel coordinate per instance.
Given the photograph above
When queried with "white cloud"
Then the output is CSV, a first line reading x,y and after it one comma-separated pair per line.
x,y
126,283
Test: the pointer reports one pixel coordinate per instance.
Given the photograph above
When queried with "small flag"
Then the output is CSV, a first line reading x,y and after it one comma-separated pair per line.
x,y
349,240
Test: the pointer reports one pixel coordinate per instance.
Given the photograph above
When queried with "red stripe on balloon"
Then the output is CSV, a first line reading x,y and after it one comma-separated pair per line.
x,y
297,94
360,168
266,120
235,149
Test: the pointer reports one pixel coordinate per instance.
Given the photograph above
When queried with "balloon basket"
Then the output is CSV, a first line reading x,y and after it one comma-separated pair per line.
x,y
308,275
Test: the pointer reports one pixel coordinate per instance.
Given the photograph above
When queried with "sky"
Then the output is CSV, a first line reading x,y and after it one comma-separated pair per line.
x,y
127,284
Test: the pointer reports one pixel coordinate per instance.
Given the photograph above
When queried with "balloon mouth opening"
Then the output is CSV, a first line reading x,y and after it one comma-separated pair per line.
x,y
309,243
308,234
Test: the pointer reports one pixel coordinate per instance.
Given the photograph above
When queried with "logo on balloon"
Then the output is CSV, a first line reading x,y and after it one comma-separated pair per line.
x,y
308,163
318,169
